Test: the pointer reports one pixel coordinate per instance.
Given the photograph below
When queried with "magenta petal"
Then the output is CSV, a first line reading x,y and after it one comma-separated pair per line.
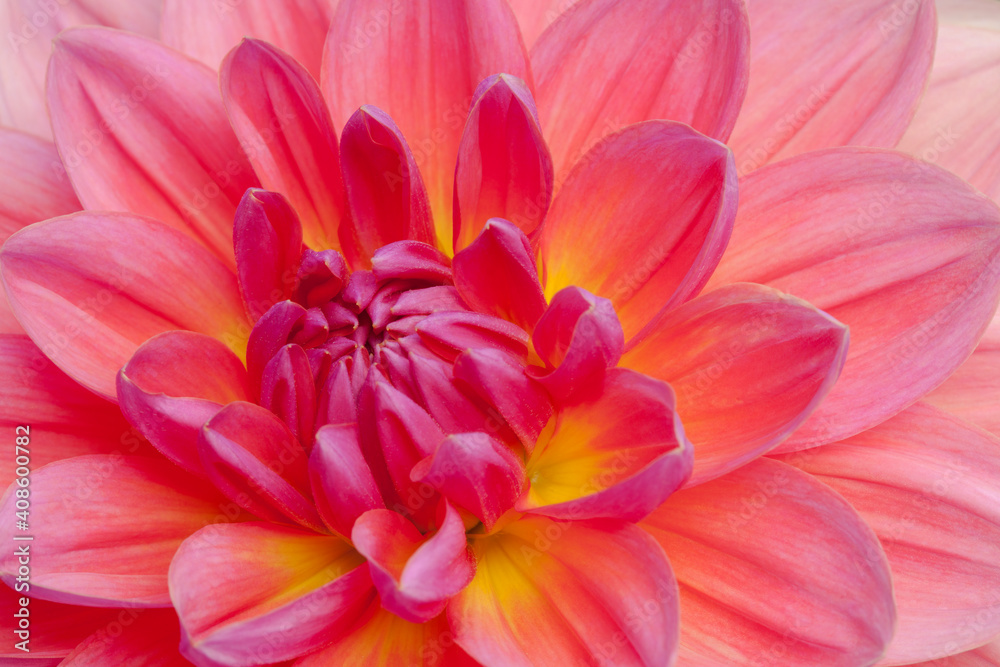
x,y
270,334
451,333
342,482
289,391
414,576
411,260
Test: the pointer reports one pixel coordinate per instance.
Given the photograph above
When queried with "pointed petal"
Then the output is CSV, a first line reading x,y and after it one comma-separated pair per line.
x,y
973,391
142,129
501,249
768,559
643,220
415,576
927,483
902,252
147,640
90,288
173,384
749,365
861,89
574,593
618,455
384,188
288,389
341,480
445,49
955,126
207,31
271,333
534,16
603,65
111,524
257,593
504,168
279,114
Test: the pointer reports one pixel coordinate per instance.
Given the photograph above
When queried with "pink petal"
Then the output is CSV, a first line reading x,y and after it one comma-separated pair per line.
x,y
257,593
288,389
415,576
902,252
29,27
64,419
955,125
445,49
973,391
340,477
984,656
617,455
278,113
927,483
91,287
173,384
207,31
643,220
475,472
504,168
580,593
501,249
749,365
534,16
772,565
110,525
605,64
55,629
411,260
252,457
148,639
384,188
271,333
451,333
447,401
142,129
860,89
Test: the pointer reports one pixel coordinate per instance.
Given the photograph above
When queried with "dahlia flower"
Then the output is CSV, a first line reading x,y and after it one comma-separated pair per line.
x,y
499,332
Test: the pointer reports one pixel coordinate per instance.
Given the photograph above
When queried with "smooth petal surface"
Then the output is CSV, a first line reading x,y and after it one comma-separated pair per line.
x,y
446,48
90,288
955,125
534,16
984,656
63,418
550,593
642,220
617,455
341,480
288,389
142,129
384,188
256,593
148,639
111,524
55,629
902,252
774,567
207,31
927,483
860,89
973,391
748,364
33,187
604,64
278,113
504,168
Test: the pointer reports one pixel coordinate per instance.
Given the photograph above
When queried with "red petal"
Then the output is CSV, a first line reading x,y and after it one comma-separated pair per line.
x,y
605,64
91,287
146,640
860,89
769,560
902,252
288,389
340,477
54,629
749,365
643,220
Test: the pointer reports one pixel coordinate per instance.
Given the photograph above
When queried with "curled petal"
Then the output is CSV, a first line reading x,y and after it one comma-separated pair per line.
x,y
411,260
414,576
451,406
642,220
617,455
271,333
752,585
289,391
341,480
451,333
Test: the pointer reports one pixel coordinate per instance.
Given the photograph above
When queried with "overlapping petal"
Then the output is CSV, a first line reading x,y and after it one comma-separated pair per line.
x,y
148,639
54,629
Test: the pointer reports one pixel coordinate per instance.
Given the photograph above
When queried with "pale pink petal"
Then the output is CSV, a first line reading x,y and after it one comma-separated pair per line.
x,y
573,593
749,365
207,31
929,485
774,567
142,129
445,48
605,64
956,125
973,391
110,525
534,16
280,117
642,220
90,288
860,88
903,253
984,656
255,593
149,639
